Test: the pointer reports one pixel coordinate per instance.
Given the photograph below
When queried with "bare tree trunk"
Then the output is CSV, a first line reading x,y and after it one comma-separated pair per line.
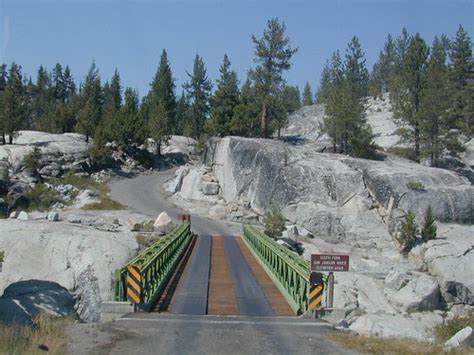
x,y
264,122
417,143
10,137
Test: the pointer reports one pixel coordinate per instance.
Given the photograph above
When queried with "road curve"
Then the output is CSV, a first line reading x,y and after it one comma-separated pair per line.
x,y
145,194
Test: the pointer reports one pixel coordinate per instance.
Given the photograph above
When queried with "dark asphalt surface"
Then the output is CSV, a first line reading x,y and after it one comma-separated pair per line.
x,y
191,295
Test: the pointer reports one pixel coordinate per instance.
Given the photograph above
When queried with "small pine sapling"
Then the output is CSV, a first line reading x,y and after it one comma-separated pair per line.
x,y
429,229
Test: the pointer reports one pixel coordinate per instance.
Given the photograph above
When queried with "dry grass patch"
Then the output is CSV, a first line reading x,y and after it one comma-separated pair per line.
x,y
105,203
379,345
46,336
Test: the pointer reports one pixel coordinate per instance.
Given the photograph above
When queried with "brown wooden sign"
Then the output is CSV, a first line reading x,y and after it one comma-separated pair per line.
x,y
329,262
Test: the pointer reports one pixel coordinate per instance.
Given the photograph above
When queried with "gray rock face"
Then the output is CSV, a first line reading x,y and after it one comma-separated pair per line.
x,y
53,216
416,326
421,293
451,258
23,216
324,192
461,338
81,259
210,188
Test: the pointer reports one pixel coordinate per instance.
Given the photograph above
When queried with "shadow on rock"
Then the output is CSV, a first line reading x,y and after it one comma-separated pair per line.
x,y
23,300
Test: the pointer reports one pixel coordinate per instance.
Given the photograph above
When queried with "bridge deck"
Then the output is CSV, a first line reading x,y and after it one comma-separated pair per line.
x,y
222,277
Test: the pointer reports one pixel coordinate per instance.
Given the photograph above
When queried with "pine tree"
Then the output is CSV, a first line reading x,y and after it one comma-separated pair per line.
x,y
69,85
127,127
58,84
3,84
273,56
90,114
324,84
245,121
334,87
356,72
410,86
157,127
383,70
345,120
14,108
307,95
198,89
162,88
435,133
408,232
429,229
43,102
224,101
462,81
181,119
112,104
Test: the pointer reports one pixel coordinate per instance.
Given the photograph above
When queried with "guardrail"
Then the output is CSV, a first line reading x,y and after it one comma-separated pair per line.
x,y
154,266
289,271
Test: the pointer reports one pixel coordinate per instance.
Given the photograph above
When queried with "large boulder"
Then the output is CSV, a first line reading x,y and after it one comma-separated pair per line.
x,y
81,259
415,326
421,293
39,295
461,338
450,258
163,223
210,188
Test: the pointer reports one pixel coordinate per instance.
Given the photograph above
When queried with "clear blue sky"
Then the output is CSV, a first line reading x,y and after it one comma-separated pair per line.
x,y
130,35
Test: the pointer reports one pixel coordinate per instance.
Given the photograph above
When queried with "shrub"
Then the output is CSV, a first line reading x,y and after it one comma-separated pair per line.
x,y
429,229
407,153
408,233
362,145
105,203
81,183
274,222
2,256
416,186
32,161
42,198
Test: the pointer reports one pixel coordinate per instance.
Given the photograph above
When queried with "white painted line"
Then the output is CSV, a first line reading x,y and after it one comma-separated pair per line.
x,y
210,321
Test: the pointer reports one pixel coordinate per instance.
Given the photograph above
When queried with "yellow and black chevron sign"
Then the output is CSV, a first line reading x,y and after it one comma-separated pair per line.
x,y
315,297
134,284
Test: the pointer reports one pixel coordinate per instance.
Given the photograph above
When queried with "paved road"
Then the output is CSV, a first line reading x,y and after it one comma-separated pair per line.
x,y
145,195
143,333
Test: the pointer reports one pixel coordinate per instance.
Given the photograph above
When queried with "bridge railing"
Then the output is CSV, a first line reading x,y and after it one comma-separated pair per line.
x,y
154,265
289,271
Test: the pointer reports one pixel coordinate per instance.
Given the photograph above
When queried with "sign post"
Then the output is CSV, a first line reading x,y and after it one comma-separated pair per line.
x,y
329,263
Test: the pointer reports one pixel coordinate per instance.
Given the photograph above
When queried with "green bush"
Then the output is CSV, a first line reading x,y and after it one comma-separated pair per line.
x,y
274,222
81,183
42,198
429,229
105,203
407,153
363,145
416,186
32,161
408,233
